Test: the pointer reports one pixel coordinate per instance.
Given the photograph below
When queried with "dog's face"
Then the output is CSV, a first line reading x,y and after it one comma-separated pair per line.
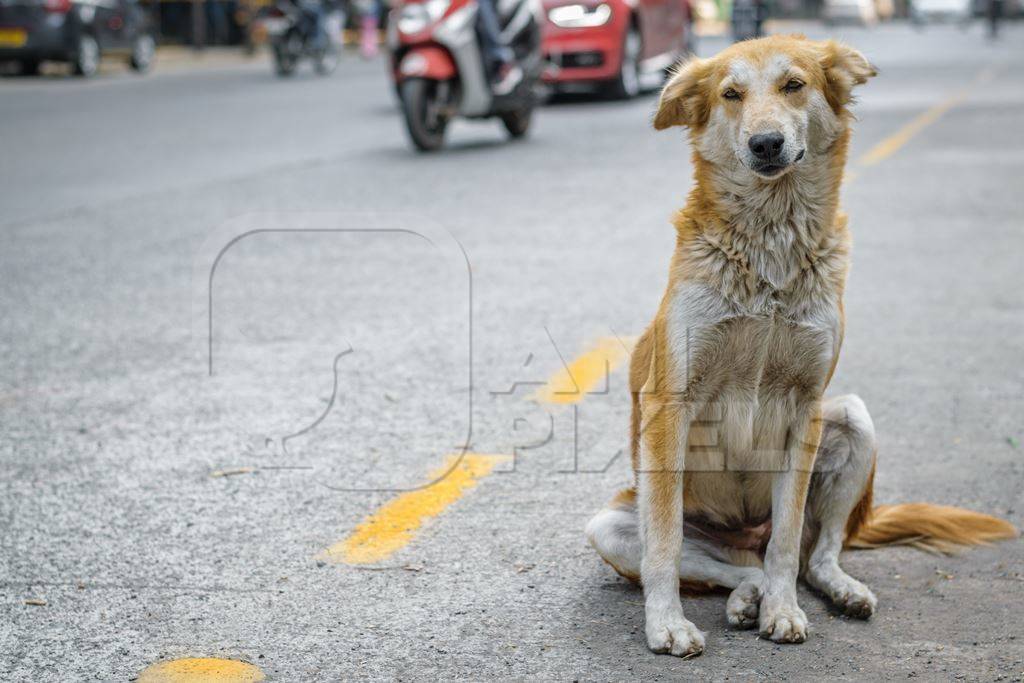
x,y
762,106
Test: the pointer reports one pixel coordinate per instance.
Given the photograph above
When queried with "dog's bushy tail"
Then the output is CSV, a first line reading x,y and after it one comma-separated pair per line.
x,y
933,528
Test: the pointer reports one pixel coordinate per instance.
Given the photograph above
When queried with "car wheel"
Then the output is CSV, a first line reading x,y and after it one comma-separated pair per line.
x,y
86,61
626,84
143,51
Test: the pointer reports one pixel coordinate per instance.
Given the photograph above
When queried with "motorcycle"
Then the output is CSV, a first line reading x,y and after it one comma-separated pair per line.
x,y
291,27
440,71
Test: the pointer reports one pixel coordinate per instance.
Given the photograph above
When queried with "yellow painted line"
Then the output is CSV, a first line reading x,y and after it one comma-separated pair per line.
x,y
890,145
201,670
393,526
588,371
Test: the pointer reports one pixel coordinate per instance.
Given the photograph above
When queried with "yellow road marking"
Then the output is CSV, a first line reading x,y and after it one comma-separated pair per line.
x,y
890,145
201,670
394,525
571,383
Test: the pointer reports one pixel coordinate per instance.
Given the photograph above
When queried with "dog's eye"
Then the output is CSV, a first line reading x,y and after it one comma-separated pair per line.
x,y
731,94
793,85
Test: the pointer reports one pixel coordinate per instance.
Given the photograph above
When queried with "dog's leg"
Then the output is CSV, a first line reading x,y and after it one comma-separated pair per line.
x,y
660,502
841,477
615,535
781,618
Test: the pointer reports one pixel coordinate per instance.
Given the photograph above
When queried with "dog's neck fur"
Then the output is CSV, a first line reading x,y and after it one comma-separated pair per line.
x,y
754,235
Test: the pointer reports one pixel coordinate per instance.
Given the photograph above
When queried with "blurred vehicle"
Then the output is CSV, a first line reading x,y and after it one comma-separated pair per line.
x,y
302,29
75,31
861,12
1011,8
618,45
748,19
440,71
922,11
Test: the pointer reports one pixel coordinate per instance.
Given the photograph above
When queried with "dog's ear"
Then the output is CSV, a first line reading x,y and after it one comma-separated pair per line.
x,y
844,68
684,100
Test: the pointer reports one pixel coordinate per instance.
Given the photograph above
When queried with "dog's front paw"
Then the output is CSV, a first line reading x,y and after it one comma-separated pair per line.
x,y
675,635
782,621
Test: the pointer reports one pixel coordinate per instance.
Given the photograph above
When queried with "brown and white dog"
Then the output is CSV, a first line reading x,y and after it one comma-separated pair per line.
x,y
746,476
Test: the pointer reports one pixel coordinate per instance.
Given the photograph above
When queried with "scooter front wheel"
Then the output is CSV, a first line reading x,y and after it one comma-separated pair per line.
x,y
285,56
517,123
425,116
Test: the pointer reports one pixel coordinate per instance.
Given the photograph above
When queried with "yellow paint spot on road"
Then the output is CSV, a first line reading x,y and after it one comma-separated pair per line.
x,y
201,670
588,372
394,525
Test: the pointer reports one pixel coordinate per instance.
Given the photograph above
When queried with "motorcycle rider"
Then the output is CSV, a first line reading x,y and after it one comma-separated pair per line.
x,y
368,12
505,73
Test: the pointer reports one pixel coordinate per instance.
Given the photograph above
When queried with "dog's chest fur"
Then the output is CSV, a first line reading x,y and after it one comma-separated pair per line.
x,y
756,320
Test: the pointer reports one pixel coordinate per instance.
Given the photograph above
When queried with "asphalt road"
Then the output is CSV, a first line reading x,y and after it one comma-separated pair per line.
x,y
391,307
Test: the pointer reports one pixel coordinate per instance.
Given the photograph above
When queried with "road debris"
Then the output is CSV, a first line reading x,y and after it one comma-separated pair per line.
x,y
232,472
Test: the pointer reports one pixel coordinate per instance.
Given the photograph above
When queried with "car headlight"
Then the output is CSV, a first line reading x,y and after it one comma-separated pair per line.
x,y
417,16
580,16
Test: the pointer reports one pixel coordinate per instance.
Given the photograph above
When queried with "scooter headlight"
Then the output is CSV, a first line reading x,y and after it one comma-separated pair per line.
x,y
417,16
580,16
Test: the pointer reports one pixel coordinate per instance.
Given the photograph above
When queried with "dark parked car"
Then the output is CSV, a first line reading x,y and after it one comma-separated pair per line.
x,y
75,31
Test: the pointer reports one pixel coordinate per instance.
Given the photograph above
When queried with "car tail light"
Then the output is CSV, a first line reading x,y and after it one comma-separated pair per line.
x,y
57,6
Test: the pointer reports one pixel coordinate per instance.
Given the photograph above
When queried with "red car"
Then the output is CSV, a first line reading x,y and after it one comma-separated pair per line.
x,y
619,45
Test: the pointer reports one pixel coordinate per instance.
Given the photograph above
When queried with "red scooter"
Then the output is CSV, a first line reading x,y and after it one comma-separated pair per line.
x,y
440,71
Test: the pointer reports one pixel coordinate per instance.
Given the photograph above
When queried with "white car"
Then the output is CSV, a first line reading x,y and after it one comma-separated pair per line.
x,y
850,11
940,10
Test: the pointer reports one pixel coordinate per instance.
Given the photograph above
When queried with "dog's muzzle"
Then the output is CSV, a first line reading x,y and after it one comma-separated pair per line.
x,y
768,156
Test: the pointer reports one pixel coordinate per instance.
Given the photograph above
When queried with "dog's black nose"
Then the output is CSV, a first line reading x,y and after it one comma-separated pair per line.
x,y
766,145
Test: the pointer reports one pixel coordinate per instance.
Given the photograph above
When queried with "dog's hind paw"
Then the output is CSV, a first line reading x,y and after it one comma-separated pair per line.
x,y
854,599
743,606
848,594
